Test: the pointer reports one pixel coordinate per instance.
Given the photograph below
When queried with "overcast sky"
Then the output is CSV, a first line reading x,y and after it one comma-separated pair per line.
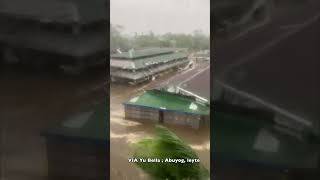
x,y
161,16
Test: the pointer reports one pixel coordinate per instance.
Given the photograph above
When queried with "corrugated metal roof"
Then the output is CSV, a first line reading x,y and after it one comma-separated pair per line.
x,y
198,83
137,54
59,11
145,62
168,101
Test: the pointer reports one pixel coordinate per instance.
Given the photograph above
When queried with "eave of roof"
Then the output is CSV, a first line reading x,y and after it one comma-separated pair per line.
x,y
149,61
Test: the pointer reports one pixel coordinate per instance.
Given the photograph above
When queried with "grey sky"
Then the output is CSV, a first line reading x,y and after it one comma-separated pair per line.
x,y
161,16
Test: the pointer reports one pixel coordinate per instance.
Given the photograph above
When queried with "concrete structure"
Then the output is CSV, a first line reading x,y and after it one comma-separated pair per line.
x,y
160,106
201,56
141,65
192,85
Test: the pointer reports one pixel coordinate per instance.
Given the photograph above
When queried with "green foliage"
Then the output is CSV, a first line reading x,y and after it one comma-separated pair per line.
x,y
196,41
167,145
117,39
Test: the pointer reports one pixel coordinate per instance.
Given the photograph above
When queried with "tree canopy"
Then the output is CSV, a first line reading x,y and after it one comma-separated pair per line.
x,y
195,41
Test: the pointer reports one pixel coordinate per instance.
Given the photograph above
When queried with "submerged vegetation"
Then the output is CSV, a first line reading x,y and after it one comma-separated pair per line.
x,y
166,157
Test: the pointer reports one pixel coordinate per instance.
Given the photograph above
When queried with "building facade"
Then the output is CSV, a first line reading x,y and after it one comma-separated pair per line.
x,y
158,106
140,65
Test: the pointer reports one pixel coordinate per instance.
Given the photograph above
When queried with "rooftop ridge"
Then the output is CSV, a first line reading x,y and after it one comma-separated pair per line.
x,y
136,54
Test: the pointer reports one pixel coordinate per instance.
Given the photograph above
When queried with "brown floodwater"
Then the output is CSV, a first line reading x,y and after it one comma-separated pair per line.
x,y
123,132
31,102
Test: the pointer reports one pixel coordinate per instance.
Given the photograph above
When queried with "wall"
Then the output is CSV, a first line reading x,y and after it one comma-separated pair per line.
x,y
171,117
141,114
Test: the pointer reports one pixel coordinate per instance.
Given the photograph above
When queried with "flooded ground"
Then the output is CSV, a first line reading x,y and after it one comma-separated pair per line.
x,y
124,132
31,102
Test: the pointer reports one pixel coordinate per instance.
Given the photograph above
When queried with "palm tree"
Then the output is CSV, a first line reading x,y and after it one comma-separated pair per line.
x,y
167,145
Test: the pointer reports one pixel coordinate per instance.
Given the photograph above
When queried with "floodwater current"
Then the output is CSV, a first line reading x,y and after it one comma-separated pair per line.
x,y
124,132
33,101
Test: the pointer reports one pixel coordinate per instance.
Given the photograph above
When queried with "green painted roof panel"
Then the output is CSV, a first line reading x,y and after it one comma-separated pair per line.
x,y
168,101
142,63
136,54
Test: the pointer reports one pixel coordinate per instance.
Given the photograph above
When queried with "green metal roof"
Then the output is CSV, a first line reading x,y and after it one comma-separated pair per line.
x,y
141,63
145,62
168,101
90,126
136,54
